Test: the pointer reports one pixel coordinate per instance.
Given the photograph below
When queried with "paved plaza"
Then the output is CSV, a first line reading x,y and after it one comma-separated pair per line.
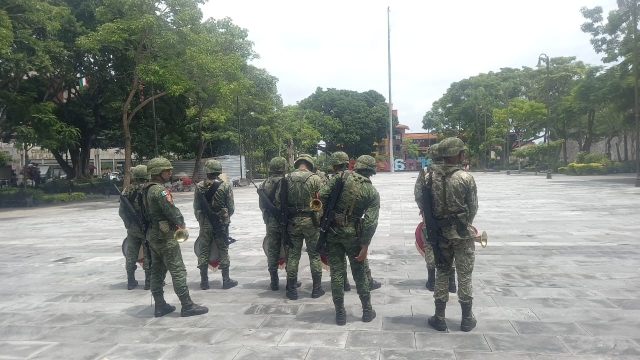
x,y
560,279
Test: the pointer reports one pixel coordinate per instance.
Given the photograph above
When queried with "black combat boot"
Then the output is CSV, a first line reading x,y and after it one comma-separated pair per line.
x,y
189,308
372,283
227,282
341,313
368,314
275,281
204,278
317,290
147,279
347,286
468,320
437,321
452,281
292,291
131,280
162,308
431,279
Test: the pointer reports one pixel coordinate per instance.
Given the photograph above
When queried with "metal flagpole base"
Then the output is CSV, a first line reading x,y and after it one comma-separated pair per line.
x,y
549,175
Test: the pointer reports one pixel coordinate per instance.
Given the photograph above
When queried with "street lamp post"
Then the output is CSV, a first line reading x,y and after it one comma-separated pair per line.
x,y
635,87
391,162
239,137
544,57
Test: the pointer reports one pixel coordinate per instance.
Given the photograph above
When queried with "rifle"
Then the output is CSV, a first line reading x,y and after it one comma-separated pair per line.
x,y
329,215
282,214
140,221
213,218
434,230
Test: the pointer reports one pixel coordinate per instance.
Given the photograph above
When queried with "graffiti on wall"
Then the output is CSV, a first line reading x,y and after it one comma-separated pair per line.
x,y
399,164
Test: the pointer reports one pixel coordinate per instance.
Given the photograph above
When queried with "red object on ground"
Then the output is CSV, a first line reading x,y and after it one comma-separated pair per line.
x,y
186,181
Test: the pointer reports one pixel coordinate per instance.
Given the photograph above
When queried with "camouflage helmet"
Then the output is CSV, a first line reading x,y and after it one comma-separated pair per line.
x,y
212,166
366,162
158,165
140,172
339,158
278,164
451,147
307,158
433,150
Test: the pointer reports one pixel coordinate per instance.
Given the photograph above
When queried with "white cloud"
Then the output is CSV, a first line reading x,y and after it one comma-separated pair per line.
x,y
343,44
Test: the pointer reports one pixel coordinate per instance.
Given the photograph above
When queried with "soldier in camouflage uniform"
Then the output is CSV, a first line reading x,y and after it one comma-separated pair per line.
x,y
356,221
164,217
277,168
134,235
455,200
222,205
340,163
303,186
428,251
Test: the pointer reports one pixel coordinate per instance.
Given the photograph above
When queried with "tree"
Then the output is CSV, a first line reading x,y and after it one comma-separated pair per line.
x,y
362,119
151,38
410,148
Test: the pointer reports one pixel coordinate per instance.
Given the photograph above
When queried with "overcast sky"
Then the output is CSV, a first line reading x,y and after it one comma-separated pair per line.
x,y
343,44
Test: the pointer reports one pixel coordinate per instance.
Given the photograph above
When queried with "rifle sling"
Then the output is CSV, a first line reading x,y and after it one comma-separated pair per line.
x,y
212,191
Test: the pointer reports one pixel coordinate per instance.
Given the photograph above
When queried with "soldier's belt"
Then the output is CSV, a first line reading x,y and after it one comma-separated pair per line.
x,y
300,212
448,221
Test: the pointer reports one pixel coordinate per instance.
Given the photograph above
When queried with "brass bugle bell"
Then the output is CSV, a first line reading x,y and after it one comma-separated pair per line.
x,y
482,239
315,204
181,235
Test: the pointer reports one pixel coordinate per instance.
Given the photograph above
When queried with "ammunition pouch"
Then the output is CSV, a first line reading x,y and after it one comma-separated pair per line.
x,y
293,212
457,220
223,214
345,220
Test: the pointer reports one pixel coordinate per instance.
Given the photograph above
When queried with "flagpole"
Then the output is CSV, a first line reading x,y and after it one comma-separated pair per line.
x,y
391,162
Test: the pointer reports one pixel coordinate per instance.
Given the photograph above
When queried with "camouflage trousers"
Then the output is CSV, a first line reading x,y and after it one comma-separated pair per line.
x,y
337,248
303,230
208,239
428,251
274,242
463,250
136,240
166,256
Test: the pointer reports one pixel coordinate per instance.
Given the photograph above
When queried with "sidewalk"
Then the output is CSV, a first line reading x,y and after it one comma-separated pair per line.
x,y
559,279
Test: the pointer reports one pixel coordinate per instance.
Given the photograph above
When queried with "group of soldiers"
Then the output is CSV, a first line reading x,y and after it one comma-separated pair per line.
x,y
334,217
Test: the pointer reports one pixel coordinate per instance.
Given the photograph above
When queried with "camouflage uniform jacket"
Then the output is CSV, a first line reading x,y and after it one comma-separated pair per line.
x,y
358,204
461,198
270,186
132,192
159,208
302,186
222,202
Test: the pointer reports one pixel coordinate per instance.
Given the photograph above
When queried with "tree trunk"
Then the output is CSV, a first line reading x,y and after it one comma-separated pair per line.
x,y
250,158
589,138
201,145
85,157
564,147
618,150
626,147
127,148
63,164
74,154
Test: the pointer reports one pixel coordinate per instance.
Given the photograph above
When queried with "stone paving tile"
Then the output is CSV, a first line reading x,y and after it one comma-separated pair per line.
x,y
600,346
137,351
180,336
174,320
130,336
574,357
76,333
351,354
251,337
413,354
381,340
23,349
234,321
611,329
292,322
195,352
547,328
567,315
23,332
443,341
526,344
74,351
23,318
314,338
72,319
272,353
464,355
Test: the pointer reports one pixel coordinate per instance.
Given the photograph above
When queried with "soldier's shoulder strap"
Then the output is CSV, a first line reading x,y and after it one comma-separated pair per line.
x,y
145,199
212,190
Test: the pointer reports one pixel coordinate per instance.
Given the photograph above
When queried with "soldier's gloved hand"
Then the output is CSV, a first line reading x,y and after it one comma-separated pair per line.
x,y
362,256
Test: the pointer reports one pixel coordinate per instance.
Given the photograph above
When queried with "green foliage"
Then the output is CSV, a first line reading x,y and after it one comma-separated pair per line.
x,y
9,193
583,169
85,186
5,158
65,197
538,155
587,158
410,148
358,119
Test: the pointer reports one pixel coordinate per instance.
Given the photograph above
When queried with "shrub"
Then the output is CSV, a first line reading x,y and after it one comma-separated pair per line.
x,y
86,186
37,194
56,198
583,169
587,158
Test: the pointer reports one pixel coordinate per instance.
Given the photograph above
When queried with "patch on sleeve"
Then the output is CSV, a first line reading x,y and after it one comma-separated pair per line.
x,y
167,194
